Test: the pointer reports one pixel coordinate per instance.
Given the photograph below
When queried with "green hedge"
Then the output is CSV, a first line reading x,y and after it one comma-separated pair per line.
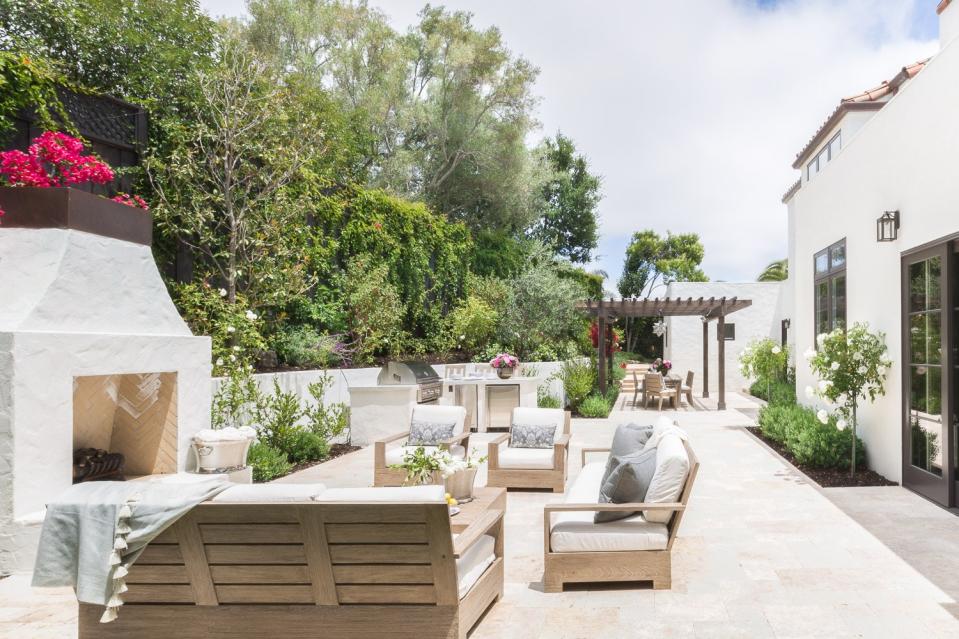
x,y
810,441
779,392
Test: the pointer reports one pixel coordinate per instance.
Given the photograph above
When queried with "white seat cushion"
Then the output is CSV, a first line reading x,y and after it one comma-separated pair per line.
x,y
270,493
672,468
538,416
386,494
396,454
439,413
474,562
576,532
526,458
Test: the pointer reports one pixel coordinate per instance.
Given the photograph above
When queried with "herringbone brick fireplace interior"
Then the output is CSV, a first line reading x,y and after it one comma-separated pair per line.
x,y
134,414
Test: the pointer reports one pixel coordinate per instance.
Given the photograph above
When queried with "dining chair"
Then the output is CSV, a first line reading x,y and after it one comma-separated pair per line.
x,y
638,387
687,388
655,388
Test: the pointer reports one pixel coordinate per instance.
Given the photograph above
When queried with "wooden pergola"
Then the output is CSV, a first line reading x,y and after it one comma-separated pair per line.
x,y
707,308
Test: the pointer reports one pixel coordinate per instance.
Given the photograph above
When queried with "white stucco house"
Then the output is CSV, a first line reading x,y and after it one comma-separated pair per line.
x,y
684,334
892,151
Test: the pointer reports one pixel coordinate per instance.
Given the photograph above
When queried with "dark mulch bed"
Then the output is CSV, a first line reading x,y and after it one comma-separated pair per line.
x,y
336,450
827,477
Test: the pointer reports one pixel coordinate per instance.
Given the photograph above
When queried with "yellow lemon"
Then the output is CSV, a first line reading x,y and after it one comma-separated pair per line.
x,y
453,502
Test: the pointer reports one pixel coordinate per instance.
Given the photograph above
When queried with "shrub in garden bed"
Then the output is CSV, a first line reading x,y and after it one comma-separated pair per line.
x,y
778,392
806,438
595,406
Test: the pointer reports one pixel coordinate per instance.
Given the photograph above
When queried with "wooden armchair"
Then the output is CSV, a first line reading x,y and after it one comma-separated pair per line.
x,y
354,569
457,445
655,388
687,388
584,563
532,467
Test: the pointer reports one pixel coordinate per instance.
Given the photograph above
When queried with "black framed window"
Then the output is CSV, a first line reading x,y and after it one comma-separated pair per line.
x,y
829,288
729,332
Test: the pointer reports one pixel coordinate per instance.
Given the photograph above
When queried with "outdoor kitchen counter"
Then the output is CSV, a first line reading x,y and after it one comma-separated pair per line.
x,y
489,401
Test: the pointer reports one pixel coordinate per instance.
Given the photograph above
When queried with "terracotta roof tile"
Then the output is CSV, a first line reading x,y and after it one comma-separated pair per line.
x,y
792,191
871,100
942,6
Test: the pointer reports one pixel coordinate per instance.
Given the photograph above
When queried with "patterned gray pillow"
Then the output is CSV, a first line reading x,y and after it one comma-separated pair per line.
x,y
429,433
532,435
628,482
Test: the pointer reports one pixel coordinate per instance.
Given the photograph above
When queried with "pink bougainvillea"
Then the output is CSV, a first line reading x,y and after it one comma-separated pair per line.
x,y
54,159
131,200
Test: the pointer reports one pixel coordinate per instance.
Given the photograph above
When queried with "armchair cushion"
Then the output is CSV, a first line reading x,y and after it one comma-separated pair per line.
x,y
441,414
526,458
473,563
396,454
627,482
672,468
549,416
271,493
532,435
393,494
576,532
429,433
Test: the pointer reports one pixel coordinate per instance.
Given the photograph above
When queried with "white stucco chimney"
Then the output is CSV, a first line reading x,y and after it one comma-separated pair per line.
x,y
948,11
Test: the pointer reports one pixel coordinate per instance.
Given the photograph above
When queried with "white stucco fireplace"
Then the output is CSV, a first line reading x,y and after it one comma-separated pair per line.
x,y
92,353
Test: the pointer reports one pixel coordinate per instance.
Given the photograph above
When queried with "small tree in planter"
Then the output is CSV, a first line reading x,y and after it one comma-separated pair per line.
x,y
851,366
765,361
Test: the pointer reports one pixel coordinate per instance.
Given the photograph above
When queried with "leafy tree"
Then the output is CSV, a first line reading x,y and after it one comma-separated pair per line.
x,y
570,195
440,114
375,312
224,184
775,271
653,261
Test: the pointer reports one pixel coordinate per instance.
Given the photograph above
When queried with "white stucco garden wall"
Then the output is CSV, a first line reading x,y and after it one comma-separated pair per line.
x,y
685,334
77,304
905,158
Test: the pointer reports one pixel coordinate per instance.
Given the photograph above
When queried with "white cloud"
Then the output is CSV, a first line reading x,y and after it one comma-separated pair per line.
x,y
693,111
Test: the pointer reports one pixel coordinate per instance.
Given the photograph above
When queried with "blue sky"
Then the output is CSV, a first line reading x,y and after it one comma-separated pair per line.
x,y
693,111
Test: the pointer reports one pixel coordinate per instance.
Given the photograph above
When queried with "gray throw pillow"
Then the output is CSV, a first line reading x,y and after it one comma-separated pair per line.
x,y
628,481
429,433
532,435
629,438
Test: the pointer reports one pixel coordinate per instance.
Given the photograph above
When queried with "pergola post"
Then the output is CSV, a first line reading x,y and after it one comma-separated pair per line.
x,y
705,358
601,346
721,354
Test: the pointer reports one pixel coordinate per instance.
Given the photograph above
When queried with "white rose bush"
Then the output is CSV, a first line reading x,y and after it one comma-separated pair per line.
x,y
765,362
852,367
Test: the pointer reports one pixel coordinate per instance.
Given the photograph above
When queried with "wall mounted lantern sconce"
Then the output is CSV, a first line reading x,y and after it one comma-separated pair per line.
x,y
887,227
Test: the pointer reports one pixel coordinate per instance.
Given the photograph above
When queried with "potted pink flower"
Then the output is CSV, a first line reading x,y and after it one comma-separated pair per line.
x,y
661,366
504,363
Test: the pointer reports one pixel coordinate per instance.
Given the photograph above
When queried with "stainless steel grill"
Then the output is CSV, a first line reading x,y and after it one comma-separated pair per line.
x,y
423,376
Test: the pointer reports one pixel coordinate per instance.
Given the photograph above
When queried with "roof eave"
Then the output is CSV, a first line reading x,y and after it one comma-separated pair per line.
x,y
830,123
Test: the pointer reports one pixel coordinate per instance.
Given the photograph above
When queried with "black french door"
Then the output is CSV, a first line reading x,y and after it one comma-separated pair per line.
x,y
929,372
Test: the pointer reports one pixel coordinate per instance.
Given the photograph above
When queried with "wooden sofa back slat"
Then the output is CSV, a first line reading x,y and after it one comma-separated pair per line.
x,y
386,594
384,574
265,594
247,513
154,574
161,554
376,533
251,533
379,553
233,575
255,553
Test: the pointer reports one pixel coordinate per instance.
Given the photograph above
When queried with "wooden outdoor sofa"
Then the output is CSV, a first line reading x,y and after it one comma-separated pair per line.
x,y
385,456
531,467
298,570
593,552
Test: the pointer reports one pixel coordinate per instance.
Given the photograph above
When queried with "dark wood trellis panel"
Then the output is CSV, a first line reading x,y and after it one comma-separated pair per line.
x,y
707,308
116,131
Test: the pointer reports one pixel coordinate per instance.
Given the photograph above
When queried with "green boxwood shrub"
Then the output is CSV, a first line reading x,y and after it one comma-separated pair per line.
x,y
595,406
307,446
780,391
268,463
810,442
579,380
303,346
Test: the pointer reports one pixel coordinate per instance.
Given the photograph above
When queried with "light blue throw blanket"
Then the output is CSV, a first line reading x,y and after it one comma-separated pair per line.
x,y
94,532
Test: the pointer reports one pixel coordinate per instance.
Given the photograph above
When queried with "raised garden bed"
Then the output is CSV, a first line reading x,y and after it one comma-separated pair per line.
x,y
826,477
336,450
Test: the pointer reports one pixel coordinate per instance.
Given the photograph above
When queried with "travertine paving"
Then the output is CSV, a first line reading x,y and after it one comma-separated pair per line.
x,y
761,554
